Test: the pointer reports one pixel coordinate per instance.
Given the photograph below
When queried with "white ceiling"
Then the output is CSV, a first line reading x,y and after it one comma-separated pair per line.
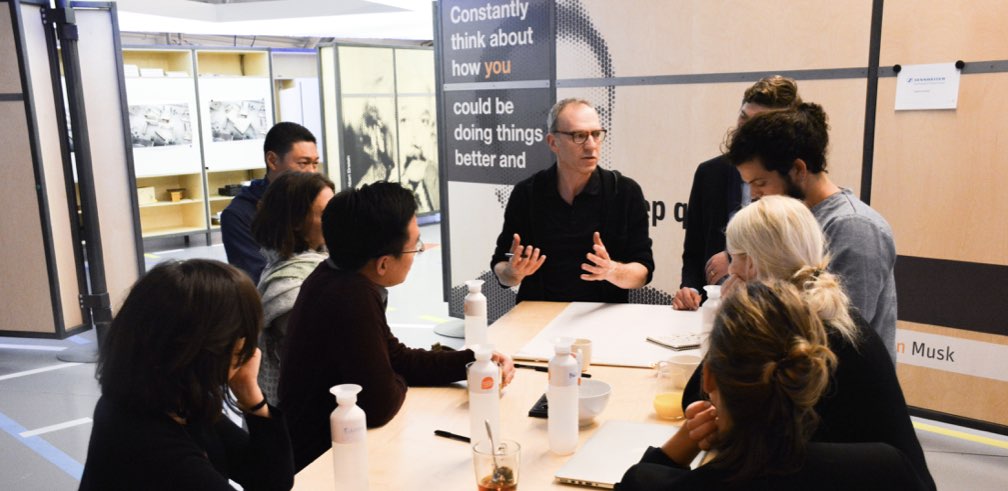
x,y
375,19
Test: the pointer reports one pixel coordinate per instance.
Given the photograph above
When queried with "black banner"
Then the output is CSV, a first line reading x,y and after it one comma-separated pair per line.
x,y
496,70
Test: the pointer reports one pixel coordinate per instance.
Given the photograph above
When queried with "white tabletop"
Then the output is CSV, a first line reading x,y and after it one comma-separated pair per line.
x,y
405,453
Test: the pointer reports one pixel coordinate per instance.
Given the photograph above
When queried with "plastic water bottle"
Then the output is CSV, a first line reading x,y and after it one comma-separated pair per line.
x,y
710,308
484,381
708,311
475,315
562,396
349,439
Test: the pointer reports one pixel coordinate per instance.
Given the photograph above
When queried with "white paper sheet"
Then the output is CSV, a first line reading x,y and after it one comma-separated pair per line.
x,y
933,86
618,332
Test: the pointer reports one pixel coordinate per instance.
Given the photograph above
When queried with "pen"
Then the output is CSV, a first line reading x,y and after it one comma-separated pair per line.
x,y
511,254
544,369
446,434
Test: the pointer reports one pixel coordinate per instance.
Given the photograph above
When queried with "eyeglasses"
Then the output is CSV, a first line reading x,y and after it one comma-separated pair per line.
x,y
419,250
580,137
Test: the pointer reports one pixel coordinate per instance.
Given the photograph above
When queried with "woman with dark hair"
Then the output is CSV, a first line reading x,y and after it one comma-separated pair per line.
x,y
184,336
288,227
765,369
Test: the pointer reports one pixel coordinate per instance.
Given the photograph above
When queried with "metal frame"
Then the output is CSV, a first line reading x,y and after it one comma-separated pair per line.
x,y
127,137
442,151
322,112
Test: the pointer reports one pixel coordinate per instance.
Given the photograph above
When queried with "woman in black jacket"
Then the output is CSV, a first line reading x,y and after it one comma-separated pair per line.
x,y
185,335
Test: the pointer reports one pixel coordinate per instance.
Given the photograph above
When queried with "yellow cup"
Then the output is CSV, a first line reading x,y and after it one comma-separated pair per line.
x,y
668,405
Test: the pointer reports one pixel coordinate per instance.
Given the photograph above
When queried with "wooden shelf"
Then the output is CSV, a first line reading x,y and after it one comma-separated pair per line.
x,y
172,203
165,231
160,169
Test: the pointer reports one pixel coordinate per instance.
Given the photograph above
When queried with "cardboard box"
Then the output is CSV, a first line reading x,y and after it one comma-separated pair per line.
x,y
146,195
176,194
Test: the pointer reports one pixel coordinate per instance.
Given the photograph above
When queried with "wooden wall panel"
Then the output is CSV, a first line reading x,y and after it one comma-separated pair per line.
x,y
25,287
933,31
658,37
10,75
939,176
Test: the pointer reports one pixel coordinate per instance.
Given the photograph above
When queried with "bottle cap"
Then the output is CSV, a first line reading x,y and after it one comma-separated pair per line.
x,y
474,285
562,346
713,291
483,352
345,393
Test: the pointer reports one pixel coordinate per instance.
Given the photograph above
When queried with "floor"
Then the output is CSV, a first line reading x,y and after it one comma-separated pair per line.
x,y
46,404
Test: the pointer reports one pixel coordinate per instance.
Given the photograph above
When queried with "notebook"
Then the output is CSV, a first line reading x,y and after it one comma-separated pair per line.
x,y
605,457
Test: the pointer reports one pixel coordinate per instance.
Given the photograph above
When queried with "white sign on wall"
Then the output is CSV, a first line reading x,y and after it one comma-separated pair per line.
x,y
934,86
952,354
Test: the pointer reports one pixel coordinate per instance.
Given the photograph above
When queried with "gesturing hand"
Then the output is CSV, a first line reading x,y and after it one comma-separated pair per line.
x,y
601,267
525,260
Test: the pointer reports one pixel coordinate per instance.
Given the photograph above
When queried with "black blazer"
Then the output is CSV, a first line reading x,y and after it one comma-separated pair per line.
x,y
716,192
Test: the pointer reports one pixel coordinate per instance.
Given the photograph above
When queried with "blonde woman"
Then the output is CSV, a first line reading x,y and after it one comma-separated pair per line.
x,y
767,365
777,237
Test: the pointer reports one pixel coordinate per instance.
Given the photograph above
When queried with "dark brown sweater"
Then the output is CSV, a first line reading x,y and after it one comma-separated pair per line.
x,y
338,334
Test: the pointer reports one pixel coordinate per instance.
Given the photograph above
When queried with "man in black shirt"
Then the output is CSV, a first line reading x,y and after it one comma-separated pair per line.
x,y
589,222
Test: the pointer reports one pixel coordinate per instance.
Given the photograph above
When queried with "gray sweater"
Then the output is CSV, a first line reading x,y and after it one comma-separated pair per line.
x,y
863,254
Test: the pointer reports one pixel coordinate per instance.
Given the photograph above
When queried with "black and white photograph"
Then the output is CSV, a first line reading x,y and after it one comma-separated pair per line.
x,y
160,125
418,150
369,133
238,120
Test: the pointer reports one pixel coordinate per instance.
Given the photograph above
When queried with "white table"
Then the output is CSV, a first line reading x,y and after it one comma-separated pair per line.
x,y
405,454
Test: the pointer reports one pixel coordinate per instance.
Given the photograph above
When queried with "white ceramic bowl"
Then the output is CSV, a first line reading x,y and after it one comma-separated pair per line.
x,y
593,395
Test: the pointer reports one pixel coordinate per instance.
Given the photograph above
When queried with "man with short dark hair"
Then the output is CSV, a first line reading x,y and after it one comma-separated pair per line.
x,y
784,152
337,330
288,147
717,193
591,222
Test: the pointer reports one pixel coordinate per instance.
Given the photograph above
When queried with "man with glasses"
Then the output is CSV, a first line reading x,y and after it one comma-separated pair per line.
x,y
337,331
575,231
288,147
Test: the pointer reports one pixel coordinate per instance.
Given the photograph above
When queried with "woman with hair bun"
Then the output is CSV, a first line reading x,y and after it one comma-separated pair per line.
x,y
183,346
777,237
766,367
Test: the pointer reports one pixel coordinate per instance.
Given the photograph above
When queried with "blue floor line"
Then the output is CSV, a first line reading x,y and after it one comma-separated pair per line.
x,y
79,339
45,449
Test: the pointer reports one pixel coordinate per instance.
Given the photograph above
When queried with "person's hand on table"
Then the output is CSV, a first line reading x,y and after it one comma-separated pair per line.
x,y
716,268
686,299
525,260
701,422
507,367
